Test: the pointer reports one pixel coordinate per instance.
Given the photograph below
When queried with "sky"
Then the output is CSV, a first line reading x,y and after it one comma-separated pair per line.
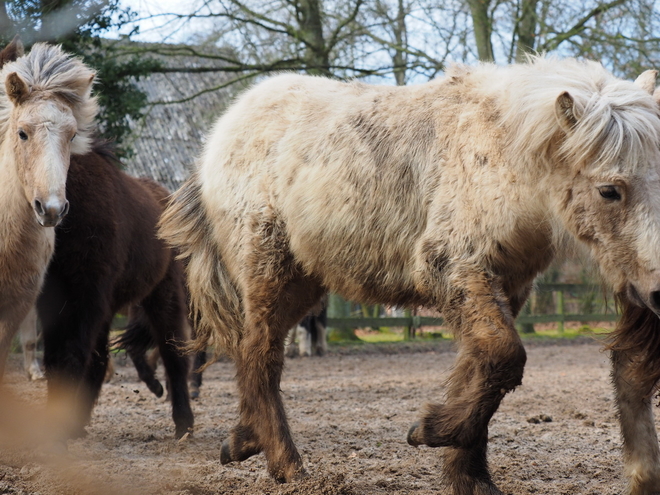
x,y
156,26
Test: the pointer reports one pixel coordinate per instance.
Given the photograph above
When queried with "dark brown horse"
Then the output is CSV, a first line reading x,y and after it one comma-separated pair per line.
x,y
107,256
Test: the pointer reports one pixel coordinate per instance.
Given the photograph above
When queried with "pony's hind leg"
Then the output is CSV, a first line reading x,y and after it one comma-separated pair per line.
x,y
196,374
263,424
136,340
165,308
641,454
489,364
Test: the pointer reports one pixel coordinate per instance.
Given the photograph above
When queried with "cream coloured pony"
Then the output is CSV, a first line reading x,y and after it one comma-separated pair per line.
x,y
452,195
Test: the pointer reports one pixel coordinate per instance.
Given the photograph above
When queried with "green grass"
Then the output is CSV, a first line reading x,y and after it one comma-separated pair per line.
x,y
382,337
388,336
568,333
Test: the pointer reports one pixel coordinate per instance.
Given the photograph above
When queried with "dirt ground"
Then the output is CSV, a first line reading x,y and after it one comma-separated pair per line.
x,y
349,413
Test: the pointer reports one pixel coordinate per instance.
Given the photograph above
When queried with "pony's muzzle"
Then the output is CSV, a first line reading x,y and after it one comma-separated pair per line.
x,y
51,213
654,301
650,299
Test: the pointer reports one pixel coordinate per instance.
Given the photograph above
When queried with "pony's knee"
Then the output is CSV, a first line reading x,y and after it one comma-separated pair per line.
x,y
488,373
506,366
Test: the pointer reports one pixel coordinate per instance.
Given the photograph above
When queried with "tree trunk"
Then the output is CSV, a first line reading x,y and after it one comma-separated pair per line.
x,y
400,35
317,60
7,30
482,29
526,30
49,28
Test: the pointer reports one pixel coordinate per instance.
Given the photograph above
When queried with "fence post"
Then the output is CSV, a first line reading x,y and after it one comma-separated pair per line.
x,y
560,311
408,329
338,308
527,311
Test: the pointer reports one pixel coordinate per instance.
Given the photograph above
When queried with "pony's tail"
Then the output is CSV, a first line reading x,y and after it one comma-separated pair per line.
x,y
216,309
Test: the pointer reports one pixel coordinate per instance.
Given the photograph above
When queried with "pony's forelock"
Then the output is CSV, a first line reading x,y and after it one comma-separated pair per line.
x,y
618,123
47,69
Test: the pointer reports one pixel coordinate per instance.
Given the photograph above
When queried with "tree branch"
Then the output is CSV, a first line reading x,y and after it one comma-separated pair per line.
x,y
579,26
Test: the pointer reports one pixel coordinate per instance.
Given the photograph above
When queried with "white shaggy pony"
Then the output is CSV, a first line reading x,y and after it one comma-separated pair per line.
x,y
453,195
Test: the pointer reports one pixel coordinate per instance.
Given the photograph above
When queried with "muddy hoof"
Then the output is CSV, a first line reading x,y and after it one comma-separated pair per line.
x,y
182,430
78,433
156,388
239,454
486,489
289,475
225,453
194,392
414,435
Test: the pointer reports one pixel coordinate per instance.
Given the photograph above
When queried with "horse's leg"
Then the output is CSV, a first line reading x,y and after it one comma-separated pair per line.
x,y
290,349
305,337
29,337
489,364
165,308
271,310
641,454
11,318
196,374
94,374
136,340
71,333
321,338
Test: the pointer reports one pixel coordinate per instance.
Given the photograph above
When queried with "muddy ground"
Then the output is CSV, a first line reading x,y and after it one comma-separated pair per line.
x,y
349,413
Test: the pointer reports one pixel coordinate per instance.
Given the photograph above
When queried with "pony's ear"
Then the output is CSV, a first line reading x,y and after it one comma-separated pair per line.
x,y
566,111
656,95
84,85
12,51
646,80
17,88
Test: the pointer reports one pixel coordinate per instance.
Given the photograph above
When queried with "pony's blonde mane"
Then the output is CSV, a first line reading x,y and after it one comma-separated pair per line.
x,y
49,71
615,118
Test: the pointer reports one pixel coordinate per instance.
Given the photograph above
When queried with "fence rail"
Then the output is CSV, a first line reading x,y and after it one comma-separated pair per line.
x,y
412,322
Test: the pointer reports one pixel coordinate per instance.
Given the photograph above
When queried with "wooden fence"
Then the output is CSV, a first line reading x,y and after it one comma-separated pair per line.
x,y
567,299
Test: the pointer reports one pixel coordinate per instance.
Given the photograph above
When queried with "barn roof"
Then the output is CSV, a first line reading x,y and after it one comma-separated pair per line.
x,y
167,140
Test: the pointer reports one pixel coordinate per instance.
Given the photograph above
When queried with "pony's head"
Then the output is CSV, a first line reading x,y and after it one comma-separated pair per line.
x,y
46,114
608,192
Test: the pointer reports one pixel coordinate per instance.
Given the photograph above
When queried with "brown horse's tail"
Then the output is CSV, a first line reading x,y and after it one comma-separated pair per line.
x,y
215,305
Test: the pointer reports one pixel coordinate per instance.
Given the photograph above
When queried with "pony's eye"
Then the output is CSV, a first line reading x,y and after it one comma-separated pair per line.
x,y
610,192
23,135
74,136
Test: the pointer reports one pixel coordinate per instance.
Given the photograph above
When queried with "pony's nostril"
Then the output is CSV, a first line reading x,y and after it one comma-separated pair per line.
x,y
65,209
655,300
39,207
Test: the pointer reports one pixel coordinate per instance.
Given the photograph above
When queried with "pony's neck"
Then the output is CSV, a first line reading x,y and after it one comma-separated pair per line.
x,y
15,211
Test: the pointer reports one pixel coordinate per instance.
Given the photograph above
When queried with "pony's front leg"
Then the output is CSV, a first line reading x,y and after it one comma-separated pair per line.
x,y
489,364
75,352
29,337
641,454
11,317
